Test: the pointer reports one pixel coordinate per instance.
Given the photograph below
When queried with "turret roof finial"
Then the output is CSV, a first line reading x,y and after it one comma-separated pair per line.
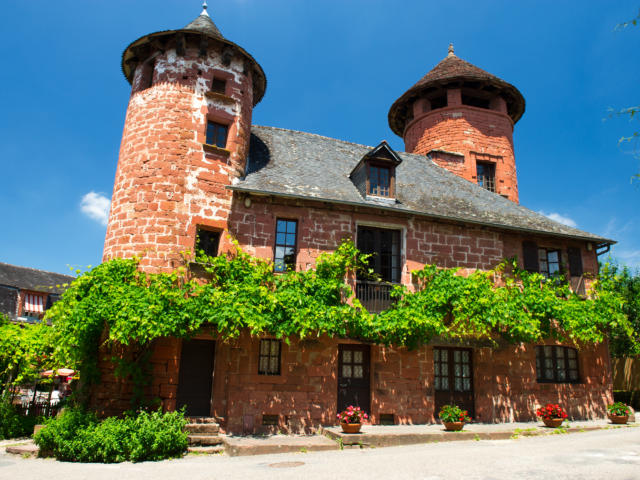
x,y
450,50
204,8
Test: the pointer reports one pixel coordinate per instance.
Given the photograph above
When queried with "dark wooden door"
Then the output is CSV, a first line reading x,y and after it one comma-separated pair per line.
x,y
353,377
196,377
453,379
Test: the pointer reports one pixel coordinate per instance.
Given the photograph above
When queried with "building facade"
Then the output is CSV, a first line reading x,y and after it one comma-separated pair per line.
x,y
193,170
26,293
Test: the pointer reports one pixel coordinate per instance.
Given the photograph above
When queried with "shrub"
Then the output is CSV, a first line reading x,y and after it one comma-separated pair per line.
x,y
12,423
453,413
79,436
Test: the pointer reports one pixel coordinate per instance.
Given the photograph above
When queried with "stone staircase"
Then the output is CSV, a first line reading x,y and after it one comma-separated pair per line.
x,y
203,435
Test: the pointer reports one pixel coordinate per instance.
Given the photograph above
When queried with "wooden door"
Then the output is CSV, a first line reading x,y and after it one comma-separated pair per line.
x,y
353,377
453,380
195,379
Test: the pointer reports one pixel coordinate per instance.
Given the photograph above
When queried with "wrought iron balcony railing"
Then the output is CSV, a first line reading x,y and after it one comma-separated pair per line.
x,y
374,296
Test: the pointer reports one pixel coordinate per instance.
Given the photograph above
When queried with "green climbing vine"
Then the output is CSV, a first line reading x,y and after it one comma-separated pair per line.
x,y
117,305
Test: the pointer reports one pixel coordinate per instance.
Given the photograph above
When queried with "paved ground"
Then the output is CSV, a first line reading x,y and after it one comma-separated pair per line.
x,y
606,454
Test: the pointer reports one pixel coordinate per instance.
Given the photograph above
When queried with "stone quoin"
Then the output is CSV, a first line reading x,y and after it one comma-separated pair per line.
x,y
192,167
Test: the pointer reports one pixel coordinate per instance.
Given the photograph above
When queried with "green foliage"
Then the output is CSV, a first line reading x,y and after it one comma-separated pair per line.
x,y
118,305
78,436
618,408
25,351
12,423
623,284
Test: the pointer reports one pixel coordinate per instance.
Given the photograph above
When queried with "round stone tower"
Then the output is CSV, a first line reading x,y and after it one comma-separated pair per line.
x,y
186,136
463,118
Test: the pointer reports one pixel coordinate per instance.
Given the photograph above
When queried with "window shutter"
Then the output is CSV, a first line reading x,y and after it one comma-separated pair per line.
x,y
575,262
530,254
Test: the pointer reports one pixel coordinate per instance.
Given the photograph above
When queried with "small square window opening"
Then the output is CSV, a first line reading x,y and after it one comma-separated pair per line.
x,y
207,242
217,134
219,85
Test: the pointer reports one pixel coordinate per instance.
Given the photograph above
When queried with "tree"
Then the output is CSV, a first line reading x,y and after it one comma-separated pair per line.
x,y
633,111
627,285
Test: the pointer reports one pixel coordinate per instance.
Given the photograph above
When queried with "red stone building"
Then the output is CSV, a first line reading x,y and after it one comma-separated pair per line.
x,y
193,168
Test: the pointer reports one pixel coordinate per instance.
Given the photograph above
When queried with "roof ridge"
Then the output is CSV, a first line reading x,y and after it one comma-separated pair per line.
x,y
316,135
34,269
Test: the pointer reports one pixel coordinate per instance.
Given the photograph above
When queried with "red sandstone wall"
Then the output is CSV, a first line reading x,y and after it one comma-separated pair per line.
x,y
166,181
424,241
479,134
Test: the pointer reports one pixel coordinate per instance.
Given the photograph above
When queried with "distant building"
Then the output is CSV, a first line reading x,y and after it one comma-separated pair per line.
x,y
26,293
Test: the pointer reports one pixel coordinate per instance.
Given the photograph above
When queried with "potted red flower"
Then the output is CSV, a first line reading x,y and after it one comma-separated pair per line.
x,y
552,415
453,418
619,413
351,419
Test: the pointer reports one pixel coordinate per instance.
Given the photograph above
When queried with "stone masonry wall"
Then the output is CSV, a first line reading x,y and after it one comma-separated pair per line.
x,y
478,134
167,182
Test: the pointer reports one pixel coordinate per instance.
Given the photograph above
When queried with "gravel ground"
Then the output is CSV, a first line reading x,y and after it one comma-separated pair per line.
x,y
606,454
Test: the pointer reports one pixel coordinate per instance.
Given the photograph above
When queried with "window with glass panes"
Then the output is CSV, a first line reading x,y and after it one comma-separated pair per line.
x,y
379,181
486,175
285,247
452,369
217,134
352,364
549,262
384,246
556,364
269,358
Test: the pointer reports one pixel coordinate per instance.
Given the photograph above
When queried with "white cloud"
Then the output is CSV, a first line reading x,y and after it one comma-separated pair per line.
x,y
560,218
96,206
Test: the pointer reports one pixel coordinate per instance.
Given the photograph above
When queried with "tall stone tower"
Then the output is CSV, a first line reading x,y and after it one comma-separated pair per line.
x,y
186,136
463,118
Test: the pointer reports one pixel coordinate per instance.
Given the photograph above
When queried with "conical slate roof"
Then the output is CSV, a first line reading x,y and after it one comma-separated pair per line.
x,y
202,25
451,70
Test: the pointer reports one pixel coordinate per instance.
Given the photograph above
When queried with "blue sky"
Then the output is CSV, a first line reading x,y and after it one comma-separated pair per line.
x,y
334,67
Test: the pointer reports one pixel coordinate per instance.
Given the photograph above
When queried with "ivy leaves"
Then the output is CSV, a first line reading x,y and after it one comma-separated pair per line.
x,y
116,304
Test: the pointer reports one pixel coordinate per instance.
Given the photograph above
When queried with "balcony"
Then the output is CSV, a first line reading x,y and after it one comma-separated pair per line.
x,y
374,296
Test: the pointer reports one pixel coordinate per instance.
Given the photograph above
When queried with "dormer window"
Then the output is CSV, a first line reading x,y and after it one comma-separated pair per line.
x,y
375,174
379,181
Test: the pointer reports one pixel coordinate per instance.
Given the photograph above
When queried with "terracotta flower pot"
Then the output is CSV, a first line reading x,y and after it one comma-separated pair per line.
x,y
619,419
553,422
351,427
453,426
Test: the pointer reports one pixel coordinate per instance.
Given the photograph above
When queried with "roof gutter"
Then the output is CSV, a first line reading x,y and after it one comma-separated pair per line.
x,y
601,241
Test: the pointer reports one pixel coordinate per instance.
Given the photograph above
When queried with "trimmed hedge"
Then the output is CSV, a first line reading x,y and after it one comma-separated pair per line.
x,y
78,436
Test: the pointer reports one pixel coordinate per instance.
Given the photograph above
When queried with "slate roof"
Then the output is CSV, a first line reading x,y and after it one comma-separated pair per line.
x,y
204,24
32,279
303,165
450,69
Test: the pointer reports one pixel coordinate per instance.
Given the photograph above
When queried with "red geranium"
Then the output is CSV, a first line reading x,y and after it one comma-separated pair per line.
x,y
551,410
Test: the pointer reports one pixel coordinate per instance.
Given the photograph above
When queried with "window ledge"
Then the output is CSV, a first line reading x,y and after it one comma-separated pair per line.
x,y
375,198
216,149
220,96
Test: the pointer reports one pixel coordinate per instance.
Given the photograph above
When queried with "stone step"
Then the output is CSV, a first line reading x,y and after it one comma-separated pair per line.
x,y
204,440
199,428
28,449
202,420
206,450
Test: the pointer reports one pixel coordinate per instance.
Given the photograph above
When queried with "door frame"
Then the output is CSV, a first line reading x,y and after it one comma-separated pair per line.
x,y
366,349
451,379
